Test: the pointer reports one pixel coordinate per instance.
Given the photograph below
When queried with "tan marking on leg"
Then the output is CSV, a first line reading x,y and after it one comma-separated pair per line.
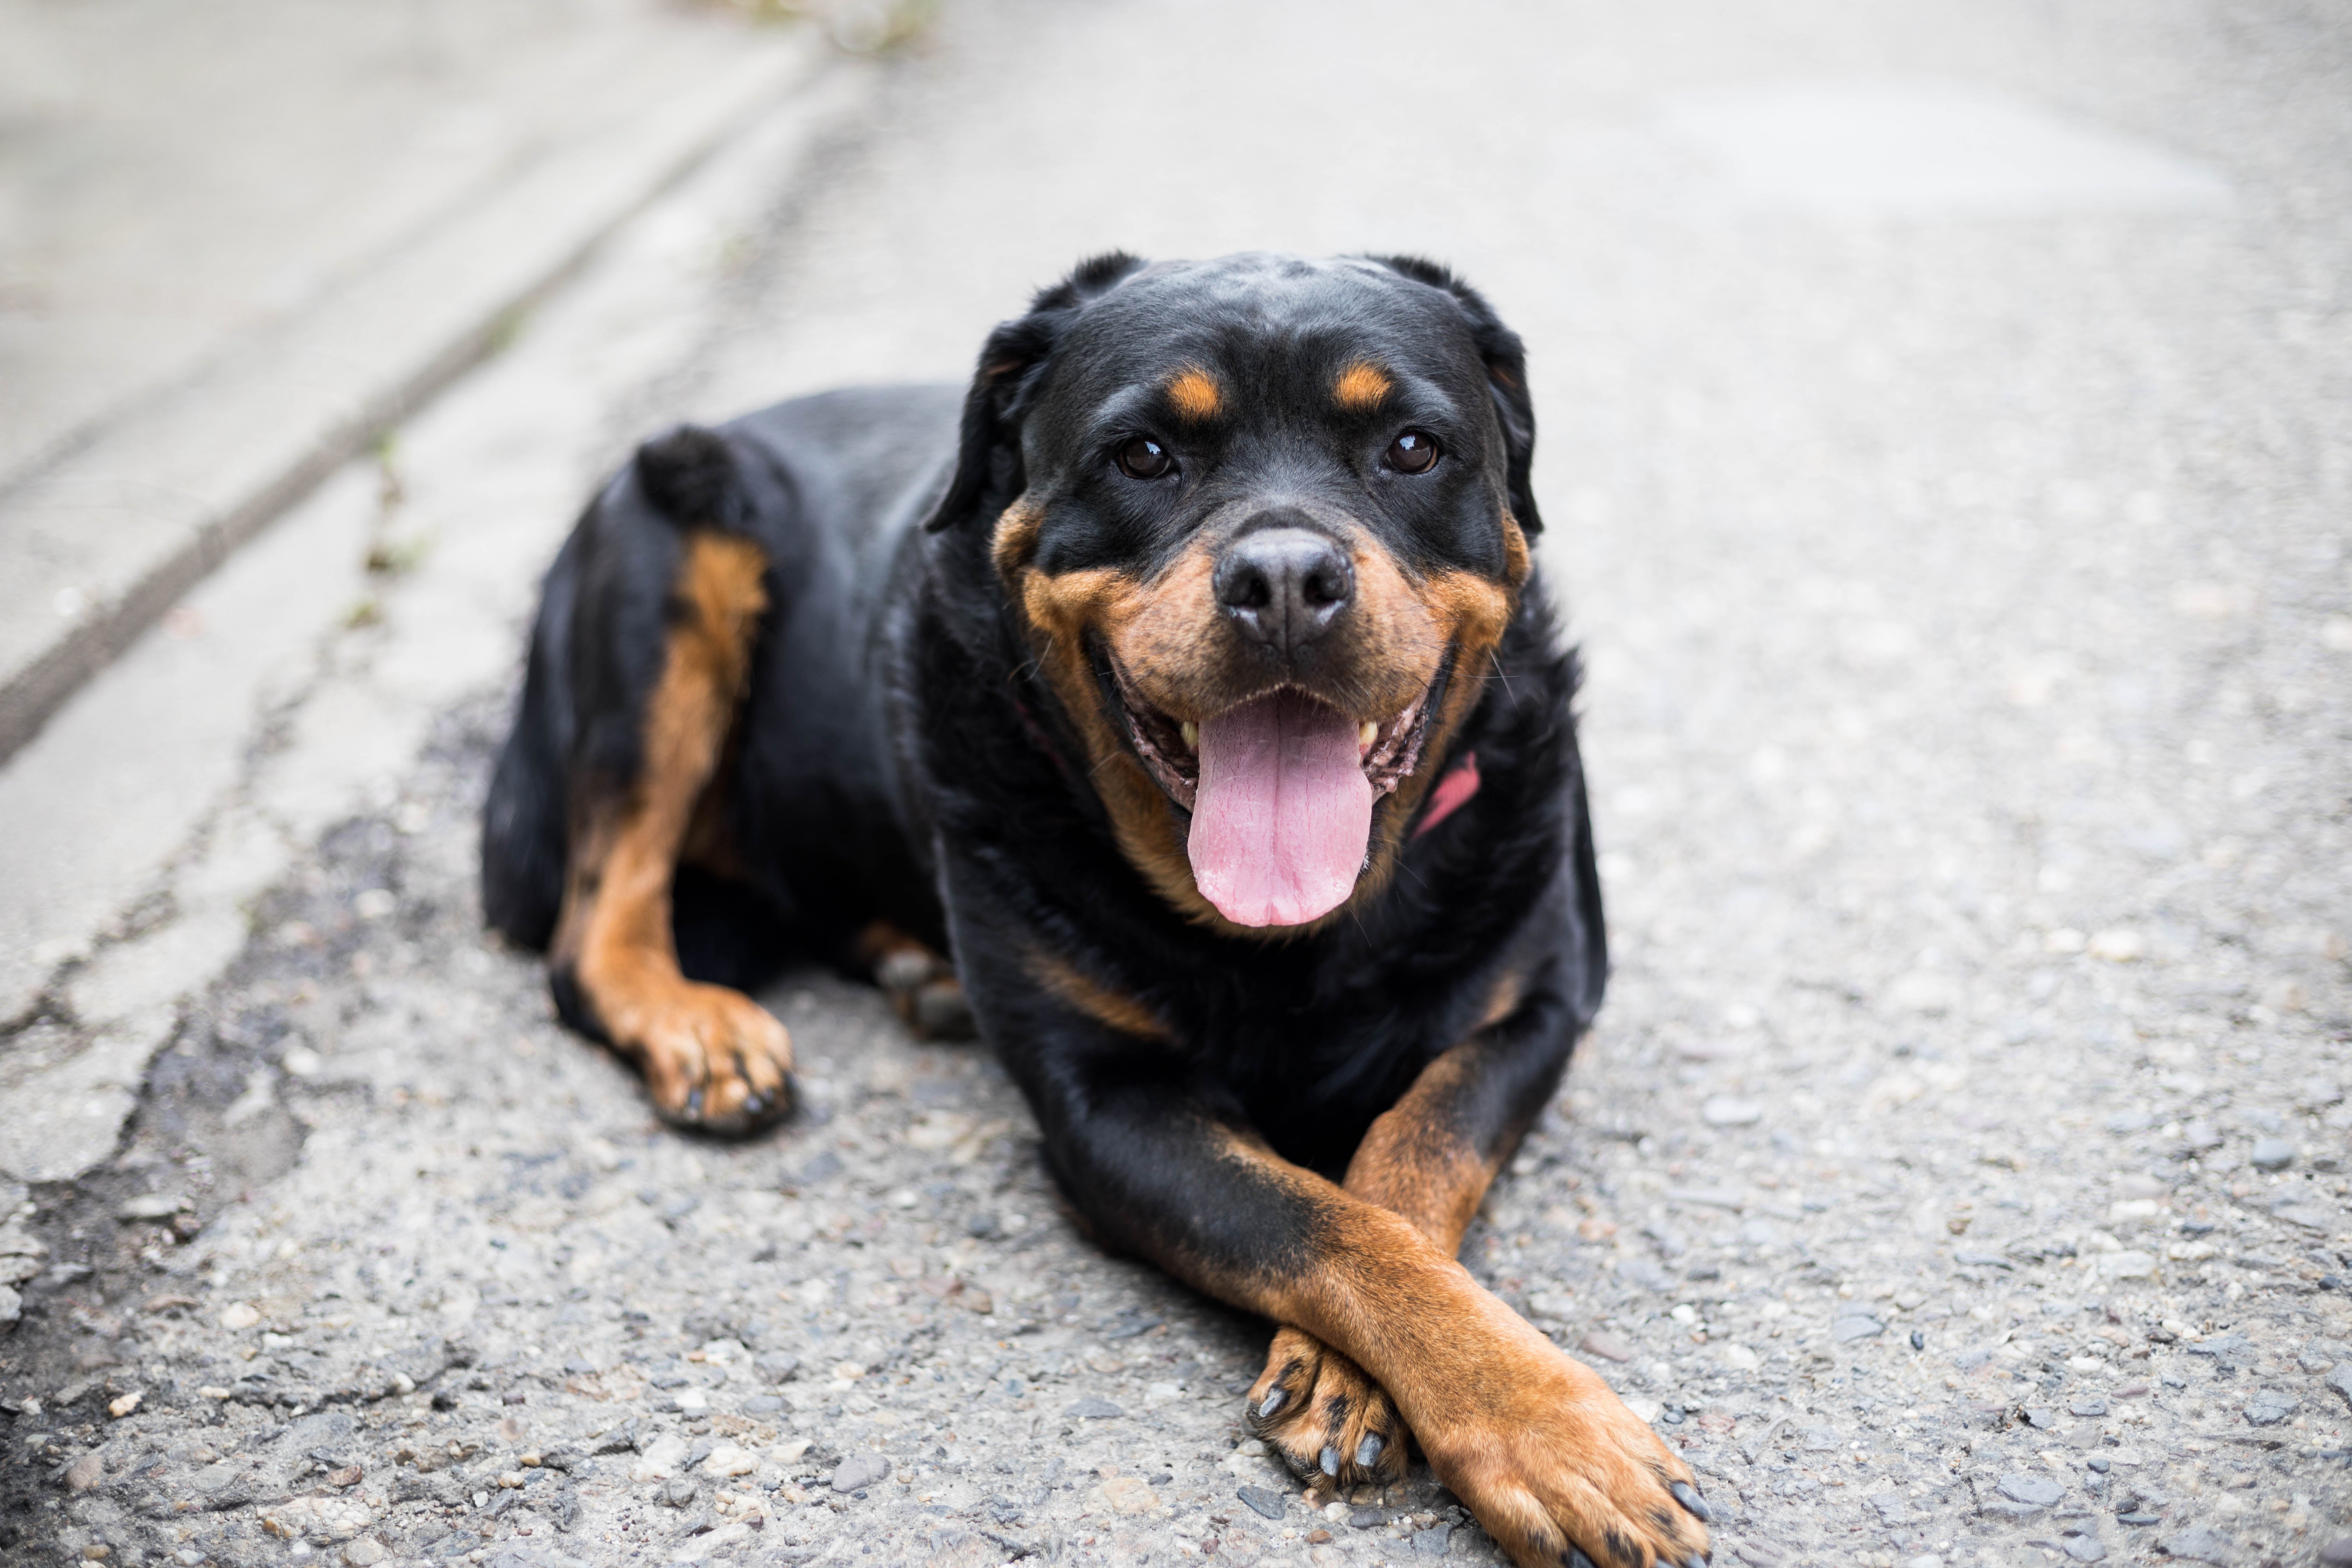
x,y
710,1055
1361,387
1193,393
1533,1441
710,844
1412,1163
1111,1009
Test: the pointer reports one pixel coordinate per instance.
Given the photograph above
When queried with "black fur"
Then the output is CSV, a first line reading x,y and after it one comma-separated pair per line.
x,y
900,756
690,477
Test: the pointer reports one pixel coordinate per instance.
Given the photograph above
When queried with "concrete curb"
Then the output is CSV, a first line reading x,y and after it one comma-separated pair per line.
x,y
193,773
122,527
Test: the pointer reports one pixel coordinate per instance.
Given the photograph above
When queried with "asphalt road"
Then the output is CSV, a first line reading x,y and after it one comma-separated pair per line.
x,y
1944,451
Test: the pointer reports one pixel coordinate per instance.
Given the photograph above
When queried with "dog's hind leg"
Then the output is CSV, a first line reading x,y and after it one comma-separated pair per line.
x,y
712,1058
921,985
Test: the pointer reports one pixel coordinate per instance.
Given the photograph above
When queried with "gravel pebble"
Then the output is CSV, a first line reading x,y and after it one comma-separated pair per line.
x,y
2268,1408
860,1470
2272,1155
1272,1504
2035,1491
2200,1543
1849,1327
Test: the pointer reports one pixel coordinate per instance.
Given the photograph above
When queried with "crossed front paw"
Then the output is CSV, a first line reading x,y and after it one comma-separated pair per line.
x,y
1558,1470
1325,1416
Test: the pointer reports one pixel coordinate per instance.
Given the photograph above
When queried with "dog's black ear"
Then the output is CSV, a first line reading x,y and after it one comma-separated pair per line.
x,y
1507,379
1011,364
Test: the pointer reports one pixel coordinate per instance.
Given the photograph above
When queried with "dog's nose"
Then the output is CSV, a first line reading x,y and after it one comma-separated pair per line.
x,y
1285,586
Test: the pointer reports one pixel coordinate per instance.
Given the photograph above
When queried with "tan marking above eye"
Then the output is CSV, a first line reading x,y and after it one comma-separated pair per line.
x,y
1361,387
1193,394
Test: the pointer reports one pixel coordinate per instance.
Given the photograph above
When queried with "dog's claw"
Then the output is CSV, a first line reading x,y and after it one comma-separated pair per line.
x,y
1273,1402
1368,1452
1577,1559
1330,1460
1687,1495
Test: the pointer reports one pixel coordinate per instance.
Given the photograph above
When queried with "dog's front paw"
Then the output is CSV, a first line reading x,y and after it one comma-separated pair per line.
x,y
1325,1416
1556,1466
714,1059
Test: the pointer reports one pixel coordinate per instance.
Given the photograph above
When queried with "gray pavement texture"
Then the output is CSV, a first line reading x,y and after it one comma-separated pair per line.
x,y
1944,457
238,241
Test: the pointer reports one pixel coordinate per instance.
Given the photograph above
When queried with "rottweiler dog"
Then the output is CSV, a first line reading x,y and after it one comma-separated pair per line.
x,y
1181,705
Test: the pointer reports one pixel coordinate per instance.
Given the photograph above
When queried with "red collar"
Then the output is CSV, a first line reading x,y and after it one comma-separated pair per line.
x,y
1451,793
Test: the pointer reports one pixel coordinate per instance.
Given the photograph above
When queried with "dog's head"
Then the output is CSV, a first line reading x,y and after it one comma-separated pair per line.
x,y
1262,522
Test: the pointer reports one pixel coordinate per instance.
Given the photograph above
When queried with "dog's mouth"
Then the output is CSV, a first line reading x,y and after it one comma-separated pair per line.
x,y
1280,789
1387,749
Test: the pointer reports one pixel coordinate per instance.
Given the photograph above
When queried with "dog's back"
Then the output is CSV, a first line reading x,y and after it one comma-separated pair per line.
x,y
828,486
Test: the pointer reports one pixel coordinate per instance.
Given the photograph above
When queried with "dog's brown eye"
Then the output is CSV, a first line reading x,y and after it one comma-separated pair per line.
x,y
1413,452
1144,459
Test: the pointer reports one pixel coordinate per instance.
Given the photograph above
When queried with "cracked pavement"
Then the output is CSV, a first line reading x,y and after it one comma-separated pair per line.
x,y
1957,1172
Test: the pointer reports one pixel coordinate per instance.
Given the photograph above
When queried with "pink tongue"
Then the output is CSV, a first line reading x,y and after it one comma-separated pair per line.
x,y
1283,812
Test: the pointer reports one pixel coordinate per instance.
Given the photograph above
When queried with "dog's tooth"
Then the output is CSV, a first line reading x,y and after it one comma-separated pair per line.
x,y
1191,733
1366,734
